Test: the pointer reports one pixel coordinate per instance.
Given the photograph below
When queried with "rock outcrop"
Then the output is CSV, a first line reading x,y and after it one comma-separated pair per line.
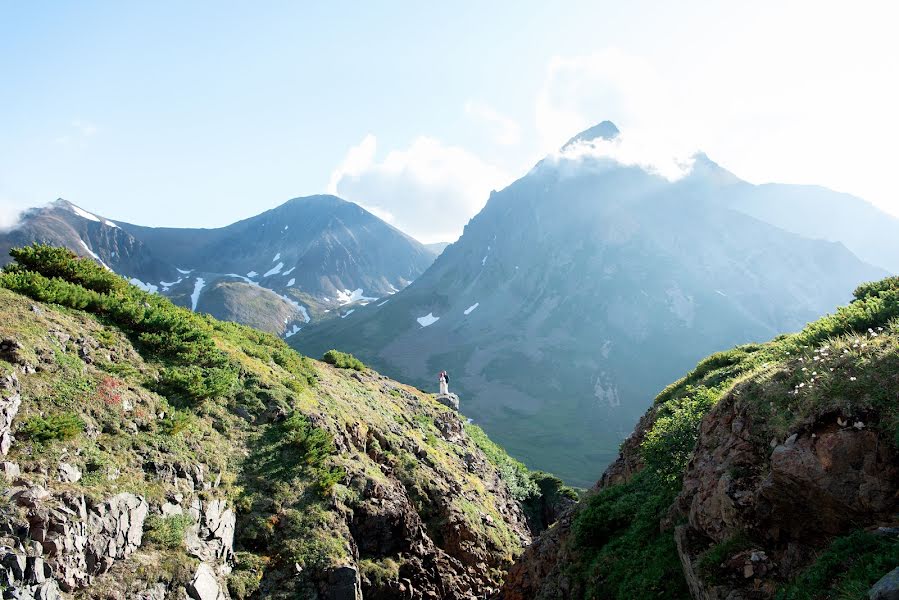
x,y
825,479
10,400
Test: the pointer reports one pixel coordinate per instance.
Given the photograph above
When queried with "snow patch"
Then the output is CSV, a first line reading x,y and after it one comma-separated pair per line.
x,y
183,272
252,274
348,297
245,279
720,292
484,260
296,329
288,271
274,270
285,227
94,255
168,284
195,296
147,287
291,282
277,256
471,308
428,319
296,305
84,214
385,302
347,313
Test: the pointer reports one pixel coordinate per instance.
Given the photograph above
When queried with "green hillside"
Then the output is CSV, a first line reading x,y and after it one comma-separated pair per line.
x,y
235,461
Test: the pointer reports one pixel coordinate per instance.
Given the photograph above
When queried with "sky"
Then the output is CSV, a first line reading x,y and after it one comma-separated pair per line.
x,y
203,113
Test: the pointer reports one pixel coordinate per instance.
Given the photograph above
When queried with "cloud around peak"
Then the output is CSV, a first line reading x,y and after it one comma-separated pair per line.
x,y
429,189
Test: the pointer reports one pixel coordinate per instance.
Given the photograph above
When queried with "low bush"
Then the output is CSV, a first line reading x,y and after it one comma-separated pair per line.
x,y
167,532
342,360
61,426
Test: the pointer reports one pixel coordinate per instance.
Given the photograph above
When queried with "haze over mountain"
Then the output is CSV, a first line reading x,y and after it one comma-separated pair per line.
x,y
276,271
586,286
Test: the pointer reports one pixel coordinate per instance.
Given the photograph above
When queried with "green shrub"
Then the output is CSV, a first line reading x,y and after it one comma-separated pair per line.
x,y
847,569
61,426
379,572
513,472
167,532
342,360
247,574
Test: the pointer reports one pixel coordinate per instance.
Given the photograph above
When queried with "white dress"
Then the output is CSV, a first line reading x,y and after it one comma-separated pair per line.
x,y
444,388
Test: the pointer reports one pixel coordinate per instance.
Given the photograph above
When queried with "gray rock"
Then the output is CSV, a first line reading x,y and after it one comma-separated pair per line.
x,y
68,473
157,592
887,588
211,537
80,543
449,400
9,470
344,584
10,400
204,585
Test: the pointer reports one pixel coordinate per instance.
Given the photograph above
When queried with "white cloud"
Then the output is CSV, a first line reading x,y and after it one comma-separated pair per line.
x,y
429,190
579,92
10,214
505,130
792,110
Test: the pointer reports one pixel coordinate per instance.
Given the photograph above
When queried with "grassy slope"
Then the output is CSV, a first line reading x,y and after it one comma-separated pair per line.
x,y
138,399
850,357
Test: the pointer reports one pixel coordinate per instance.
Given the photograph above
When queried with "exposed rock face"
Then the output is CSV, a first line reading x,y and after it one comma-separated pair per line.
x,y
824,480
449,400
344,584
74,542
211,537
10,400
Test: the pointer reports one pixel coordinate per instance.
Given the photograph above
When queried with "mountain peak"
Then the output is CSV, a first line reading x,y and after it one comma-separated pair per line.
x,y
605,130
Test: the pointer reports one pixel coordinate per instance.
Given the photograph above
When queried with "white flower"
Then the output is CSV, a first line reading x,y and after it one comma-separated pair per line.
x,y
852,379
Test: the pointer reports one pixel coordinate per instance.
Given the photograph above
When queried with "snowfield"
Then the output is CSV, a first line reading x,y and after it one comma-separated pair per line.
x,y
428,319
147,287
195,296
291,282
471,308
348,297
274,270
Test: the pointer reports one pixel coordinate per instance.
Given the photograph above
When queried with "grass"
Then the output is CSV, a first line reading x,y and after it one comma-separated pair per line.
x,y
846,569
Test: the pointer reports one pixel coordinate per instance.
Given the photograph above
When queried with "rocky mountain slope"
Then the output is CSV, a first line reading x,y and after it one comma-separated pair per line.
x,y
149,452
581,289
276,271
770,470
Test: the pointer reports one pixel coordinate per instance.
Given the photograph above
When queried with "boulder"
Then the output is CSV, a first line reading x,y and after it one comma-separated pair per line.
x,y
344,584
68,473
449,400
9,470
887,588
204,585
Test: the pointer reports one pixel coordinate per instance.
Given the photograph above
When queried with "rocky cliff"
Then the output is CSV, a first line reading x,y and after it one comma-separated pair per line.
x,y
770,470
151,453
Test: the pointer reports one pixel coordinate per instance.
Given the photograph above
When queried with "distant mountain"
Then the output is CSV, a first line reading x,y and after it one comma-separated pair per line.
x,y
582,289
437,247
276,271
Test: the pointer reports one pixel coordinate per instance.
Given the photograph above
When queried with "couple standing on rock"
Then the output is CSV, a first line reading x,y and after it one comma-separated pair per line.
x,y
443,378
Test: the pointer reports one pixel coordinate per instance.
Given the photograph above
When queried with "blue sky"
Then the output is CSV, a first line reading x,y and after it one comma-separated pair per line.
x,y
201,113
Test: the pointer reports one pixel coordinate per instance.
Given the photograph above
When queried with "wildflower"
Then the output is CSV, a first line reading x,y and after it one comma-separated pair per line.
x,y
852,379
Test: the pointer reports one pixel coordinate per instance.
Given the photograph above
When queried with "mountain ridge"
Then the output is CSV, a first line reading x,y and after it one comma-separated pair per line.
x,y
546,304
